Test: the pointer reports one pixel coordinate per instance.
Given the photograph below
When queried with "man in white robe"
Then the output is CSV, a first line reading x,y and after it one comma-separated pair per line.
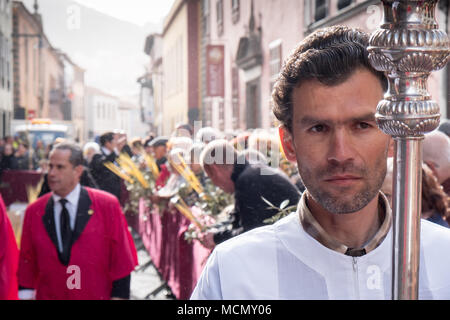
x,y
338,245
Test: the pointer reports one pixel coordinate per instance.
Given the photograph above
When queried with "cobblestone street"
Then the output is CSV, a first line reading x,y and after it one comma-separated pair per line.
x,y
146,283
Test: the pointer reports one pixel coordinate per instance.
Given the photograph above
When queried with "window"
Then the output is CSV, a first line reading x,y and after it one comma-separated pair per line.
x,y
235,96
207,115
275,62
321,9
8,65
173,68
2,71
221,116
344,3
235,10
205,17
219,12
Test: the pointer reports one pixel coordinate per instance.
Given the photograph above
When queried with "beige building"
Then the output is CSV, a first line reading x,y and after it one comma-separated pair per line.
x,y
6,75
38,69
152,85
180,60
73,104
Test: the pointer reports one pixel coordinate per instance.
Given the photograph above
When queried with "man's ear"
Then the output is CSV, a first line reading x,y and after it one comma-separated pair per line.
x,y
287,143
79,170
209,170
433,167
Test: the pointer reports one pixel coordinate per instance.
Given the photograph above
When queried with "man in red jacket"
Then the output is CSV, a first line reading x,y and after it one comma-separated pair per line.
x,y
75,242
9,255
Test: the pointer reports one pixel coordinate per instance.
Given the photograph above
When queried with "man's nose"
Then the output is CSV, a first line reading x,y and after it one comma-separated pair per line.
x,y
341,148
51,171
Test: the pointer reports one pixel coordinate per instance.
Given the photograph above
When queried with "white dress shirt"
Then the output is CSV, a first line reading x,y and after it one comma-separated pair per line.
x,y
71,206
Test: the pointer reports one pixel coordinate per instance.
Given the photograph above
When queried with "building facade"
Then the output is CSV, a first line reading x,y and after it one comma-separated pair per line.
x,y
6,65
129,116
151,97
101,112
38,69
367,15
181,65
73,97
255,36
241,48
104,112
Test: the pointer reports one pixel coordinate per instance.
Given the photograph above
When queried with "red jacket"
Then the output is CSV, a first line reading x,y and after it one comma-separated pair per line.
x,y
163,177
9,255
103,250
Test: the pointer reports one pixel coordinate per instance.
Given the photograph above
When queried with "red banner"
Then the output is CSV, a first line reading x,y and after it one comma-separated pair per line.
x,y
215,71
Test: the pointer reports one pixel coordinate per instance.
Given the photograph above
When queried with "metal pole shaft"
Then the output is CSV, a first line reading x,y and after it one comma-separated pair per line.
x,y
407,202
407,47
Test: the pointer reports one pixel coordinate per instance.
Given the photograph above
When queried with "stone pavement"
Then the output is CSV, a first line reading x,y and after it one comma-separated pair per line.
x,y
146,283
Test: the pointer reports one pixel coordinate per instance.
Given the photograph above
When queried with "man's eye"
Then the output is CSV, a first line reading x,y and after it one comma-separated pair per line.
x,y
363,125
318,128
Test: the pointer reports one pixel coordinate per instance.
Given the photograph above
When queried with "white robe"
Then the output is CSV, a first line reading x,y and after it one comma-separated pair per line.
x,y
282,261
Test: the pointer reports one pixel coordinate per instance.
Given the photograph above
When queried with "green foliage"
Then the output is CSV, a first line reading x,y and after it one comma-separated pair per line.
x,y
283,210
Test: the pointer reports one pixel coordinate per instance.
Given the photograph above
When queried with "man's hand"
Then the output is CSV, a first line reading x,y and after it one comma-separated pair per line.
x,y
154,198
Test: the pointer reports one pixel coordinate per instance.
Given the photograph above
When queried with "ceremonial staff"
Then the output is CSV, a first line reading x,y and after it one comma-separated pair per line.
x,y
408,46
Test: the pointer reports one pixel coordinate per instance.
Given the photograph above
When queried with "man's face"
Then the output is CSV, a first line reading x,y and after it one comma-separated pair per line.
x,y
219,178
160,151
21,149
62,175
110,145
8,150
340,151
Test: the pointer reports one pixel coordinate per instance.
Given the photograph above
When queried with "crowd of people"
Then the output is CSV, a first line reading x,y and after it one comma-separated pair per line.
x,y
16,154
328,162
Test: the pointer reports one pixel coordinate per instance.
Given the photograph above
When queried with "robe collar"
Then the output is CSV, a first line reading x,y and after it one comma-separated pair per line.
x,y
315,230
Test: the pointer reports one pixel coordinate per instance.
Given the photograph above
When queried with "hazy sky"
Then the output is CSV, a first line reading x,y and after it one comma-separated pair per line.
x,y
135,11
111,53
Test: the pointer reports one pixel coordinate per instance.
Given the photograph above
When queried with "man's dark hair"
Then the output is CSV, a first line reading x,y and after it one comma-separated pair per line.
x,y
329,55
218,152
106,137
445,127
76,154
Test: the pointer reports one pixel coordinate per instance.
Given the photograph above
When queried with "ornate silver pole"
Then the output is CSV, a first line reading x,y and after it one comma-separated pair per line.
x,y
408,46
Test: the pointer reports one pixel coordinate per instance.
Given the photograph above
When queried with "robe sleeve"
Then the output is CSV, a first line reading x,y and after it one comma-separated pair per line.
x,y
9,255
123,252
27,259
208,286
